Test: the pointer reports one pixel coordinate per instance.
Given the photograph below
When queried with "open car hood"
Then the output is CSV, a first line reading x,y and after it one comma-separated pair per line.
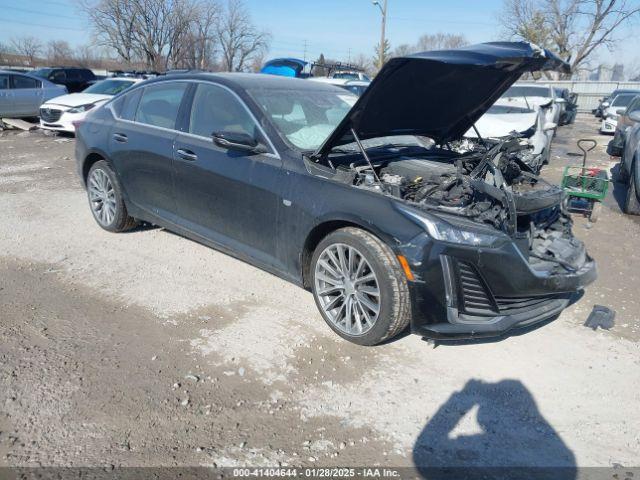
x,y
439,94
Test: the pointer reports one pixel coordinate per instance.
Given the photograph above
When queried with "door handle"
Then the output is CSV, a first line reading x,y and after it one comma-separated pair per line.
x,y
186,155
120,137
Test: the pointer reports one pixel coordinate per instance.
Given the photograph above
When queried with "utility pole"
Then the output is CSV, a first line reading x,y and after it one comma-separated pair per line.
x,y
305,51
383,10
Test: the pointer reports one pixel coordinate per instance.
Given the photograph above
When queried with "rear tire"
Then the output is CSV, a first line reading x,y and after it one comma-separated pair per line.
x,y
379,308
632,205
106,200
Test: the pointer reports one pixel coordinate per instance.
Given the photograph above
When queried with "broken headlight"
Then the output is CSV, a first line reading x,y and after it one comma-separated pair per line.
x,y
440,229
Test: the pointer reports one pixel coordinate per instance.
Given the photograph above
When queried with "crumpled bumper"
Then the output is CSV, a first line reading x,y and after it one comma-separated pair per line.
x,y
488,292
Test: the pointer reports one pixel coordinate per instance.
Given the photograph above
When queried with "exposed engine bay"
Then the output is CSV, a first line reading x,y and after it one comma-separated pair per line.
x,y
489,186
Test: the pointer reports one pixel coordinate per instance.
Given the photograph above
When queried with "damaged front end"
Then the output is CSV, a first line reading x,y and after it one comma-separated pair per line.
x,y
497,249
490,189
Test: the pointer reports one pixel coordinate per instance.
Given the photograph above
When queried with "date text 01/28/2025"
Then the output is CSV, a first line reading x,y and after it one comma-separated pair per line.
x,y
317,472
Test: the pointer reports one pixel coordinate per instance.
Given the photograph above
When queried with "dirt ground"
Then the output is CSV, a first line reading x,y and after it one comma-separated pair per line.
x,y
147,349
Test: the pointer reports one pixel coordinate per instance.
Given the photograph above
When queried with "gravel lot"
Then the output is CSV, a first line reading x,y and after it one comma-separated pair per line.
x,y
148,349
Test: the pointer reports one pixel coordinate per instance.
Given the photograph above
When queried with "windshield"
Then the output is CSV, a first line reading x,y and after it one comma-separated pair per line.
x,y
41,72
622,100
506,109
521,91
305,117
109,87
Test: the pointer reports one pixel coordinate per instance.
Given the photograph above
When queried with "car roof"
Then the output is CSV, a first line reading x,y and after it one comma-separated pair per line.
x,y
124,79
250,81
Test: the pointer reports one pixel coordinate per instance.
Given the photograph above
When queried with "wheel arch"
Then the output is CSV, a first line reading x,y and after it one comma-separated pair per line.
x,y
91,158
325,228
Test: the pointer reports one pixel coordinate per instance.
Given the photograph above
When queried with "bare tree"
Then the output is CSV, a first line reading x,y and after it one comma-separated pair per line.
x,y
197,47
440,41
240,41
59,52
403,50
573,28
29,47
113,25
363,62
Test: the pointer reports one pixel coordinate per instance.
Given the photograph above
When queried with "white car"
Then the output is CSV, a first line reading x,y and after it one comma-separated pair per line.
x,y
60,113
503,119
616,107
536,95
356,87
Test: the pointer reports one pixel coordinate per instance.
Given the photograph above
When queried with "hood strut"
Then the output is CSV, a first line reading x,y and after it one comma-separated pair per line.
x,y
364,154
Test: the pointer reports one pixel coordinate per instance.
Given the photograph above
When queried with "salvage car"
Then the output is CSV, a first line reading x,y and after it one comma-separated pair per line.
x,y
623,125
61,113
535,96
629,169
504,120
569,108
374,213
21,95
611,113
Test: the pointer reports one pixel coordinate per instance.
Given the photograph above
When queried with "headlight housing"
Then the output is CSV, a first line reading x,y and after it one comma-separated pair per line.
x,y
82,108
440,229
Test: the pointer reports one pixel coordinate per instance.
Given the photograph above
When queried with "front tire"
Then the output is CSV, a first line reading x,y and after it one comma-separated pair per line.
x,y
360,287
631,204
106,200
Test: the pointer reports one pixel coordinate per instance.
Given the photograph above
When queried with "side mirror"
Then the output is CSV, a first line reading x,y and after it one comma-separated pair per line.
x,y
549,126
238,141
621,111
635,116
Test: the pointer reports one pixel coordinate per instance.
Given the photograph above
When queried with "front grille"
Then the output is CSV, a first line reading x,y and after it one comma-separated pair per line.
x,y
50,115
474,295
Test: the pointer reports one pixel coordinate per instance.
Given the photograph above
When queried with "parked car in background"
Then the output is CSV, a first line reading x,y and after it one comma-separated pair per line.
x,y
350,75
503,120
319,187
535,95
21,94
630,165
625,122
569,109
356,87
606,101
61,113
611,113
75,79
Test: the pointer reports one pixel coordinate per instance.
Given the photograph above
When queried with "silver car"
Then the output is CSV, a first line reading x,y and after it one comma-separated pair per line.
x,y
21,94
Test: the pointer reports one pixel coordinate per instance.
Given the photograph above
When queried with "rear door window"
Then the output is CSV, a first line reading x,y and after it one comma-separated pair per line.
x,y
20,82
160,104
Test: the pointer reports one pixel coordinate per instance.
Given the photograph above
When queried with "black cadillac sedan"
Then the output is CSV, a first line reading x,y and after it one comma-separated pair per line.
x,y
371,203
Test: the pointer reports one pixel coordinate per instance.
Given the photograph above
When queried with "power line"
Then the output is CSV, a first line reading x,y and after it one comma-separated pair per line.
x,y
28,24
24,10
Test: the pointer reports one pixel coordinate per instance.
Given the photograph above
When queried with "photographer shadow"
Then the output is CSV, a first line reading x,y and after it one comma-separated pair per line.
x,y
515,441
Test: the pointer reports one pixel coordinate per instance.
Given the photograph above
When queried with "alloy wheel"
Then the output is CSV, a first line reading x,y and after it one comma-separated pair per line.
x,y
347,289
102,197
